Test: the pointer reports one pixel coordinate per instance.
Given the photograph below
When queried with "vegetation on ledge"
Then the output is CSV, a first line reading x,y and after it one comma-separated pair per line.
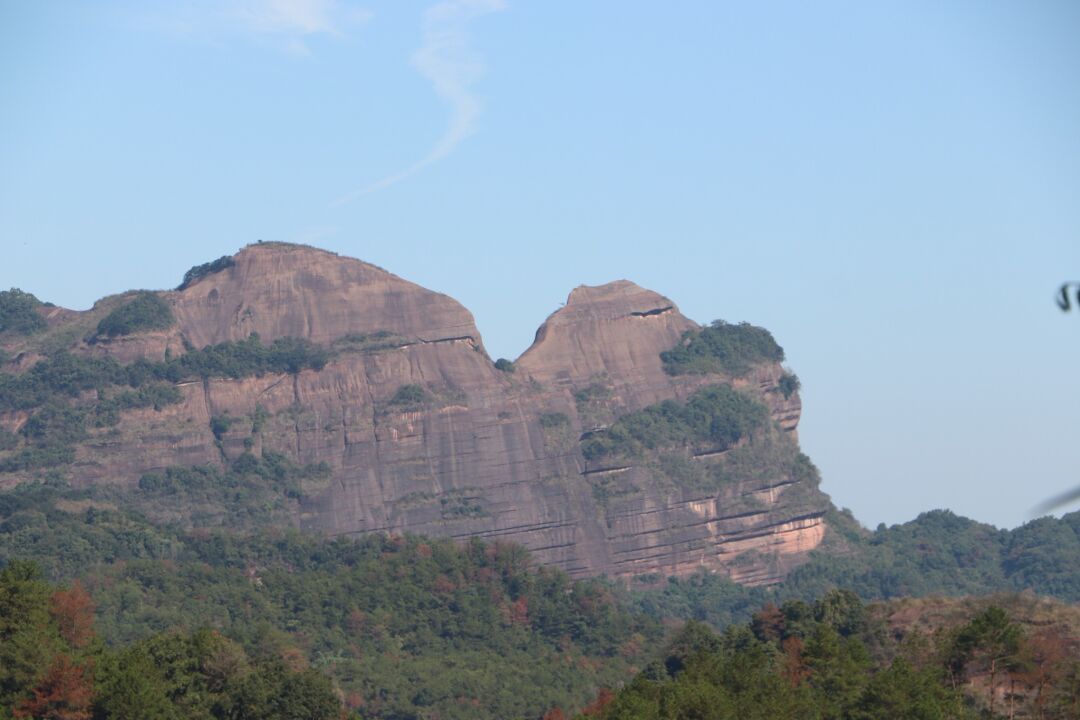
x,y
69,394
722,348
789,384
713,418
200,271
146,311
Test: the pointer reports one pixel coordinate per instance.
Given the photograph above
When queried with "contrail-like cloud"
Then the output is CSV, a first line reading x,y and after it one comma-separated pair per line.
x,y
451,66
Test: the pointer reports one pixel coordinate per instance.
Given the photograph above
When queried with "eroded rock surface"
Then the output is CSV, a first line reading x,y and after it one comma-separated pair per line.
x,y
489,453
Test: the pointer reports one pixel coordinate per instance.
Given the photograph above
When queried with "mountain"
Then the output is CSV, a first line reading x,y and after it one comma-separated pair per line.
x,y
290,386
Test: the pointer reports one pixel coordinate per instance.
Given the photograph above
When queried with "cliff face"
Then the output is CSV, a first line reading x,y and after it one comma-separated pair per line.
x,y
487,453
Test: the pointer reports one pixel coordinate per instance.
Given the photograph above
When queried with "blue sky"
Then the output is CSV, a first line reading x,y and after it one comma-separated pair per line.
x,y
892,188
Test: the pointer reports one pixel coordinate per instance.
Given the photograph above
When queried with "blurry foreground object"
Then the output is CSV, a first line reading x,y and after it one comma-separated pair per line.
x,y
1063,295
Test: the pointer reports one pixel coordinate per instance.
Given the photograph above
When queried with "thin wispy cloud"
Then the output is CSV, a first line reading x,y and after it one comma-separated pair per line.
x,y
446,59
286,24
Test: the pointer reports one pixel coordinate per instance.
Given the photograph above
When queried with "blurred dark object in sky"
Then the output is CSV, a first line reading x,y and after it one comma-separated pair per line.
x,y
1056,503
1063,295
1064,498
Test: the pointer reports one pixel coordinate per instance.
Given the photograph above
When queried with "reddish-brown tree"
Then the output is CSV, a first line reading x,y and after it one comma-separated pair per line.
x,y
65,693
596,707
1045,653
73,611
519,612
768,623
795,668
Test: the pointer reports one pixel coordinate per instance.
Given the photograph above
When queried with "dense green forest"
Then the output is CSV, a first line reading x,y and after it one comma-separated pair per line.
x,y
837,658
937,553
210,624
406,627
409,627
53,665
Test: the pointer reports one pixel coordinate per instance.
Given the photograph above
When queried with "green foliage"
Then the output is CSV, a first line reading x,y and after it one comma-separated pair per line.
x,y
462,504
153,394
50,436
8,440
164,676
789,384
64,375
368,343
243,358
258,419
505,365
70,393
816,672
254,491
409,626
18,312
409,398
592,393
722,348
24,649
200,271
550,421
938,553
146,311
220,424
713,418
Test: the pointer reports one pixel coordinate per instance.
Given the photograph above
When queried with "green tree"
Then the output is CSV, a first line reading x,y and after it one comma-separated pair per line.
x,y
27,637
146,311
990,643
18,312
130,687
900,692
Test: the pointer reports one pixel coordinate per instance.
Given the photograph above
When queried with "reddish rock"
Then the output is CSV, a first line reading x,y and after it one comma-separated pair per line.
x,y
478,460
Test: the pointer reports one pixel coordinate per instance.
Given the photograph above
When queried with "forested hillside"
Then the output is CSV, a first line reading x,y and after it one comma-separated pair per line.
x,y
404,626
412,627
837,658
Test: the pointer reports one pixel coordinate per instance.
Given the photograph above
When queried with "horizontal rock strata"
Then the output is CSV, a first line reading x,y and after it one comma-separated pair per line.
x,y
482,456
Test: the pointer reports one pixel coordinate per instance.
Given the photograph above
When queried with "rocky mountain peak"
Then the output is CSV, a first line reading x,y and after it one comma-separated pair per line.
x,y
617,329
283,290
584,451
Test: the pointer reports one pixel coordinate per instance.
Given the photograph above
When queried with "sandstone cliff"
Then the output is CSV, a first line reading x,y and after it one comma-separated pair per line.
x,y
486,453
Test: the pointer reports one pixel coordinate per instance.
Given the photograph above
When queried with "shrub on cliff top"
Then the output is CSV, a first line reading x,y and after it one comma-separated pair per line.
x,y
722,348
146,311
200,271
18,312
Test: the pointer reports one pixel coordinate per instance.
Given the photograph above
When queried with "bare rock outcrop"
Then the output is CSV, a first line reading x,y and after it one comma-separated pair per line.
x,y
487,453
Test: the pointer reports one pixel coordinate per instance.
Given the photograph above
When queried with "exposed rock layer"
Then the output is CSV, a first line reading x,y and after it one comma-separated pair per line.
x,y
479,459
